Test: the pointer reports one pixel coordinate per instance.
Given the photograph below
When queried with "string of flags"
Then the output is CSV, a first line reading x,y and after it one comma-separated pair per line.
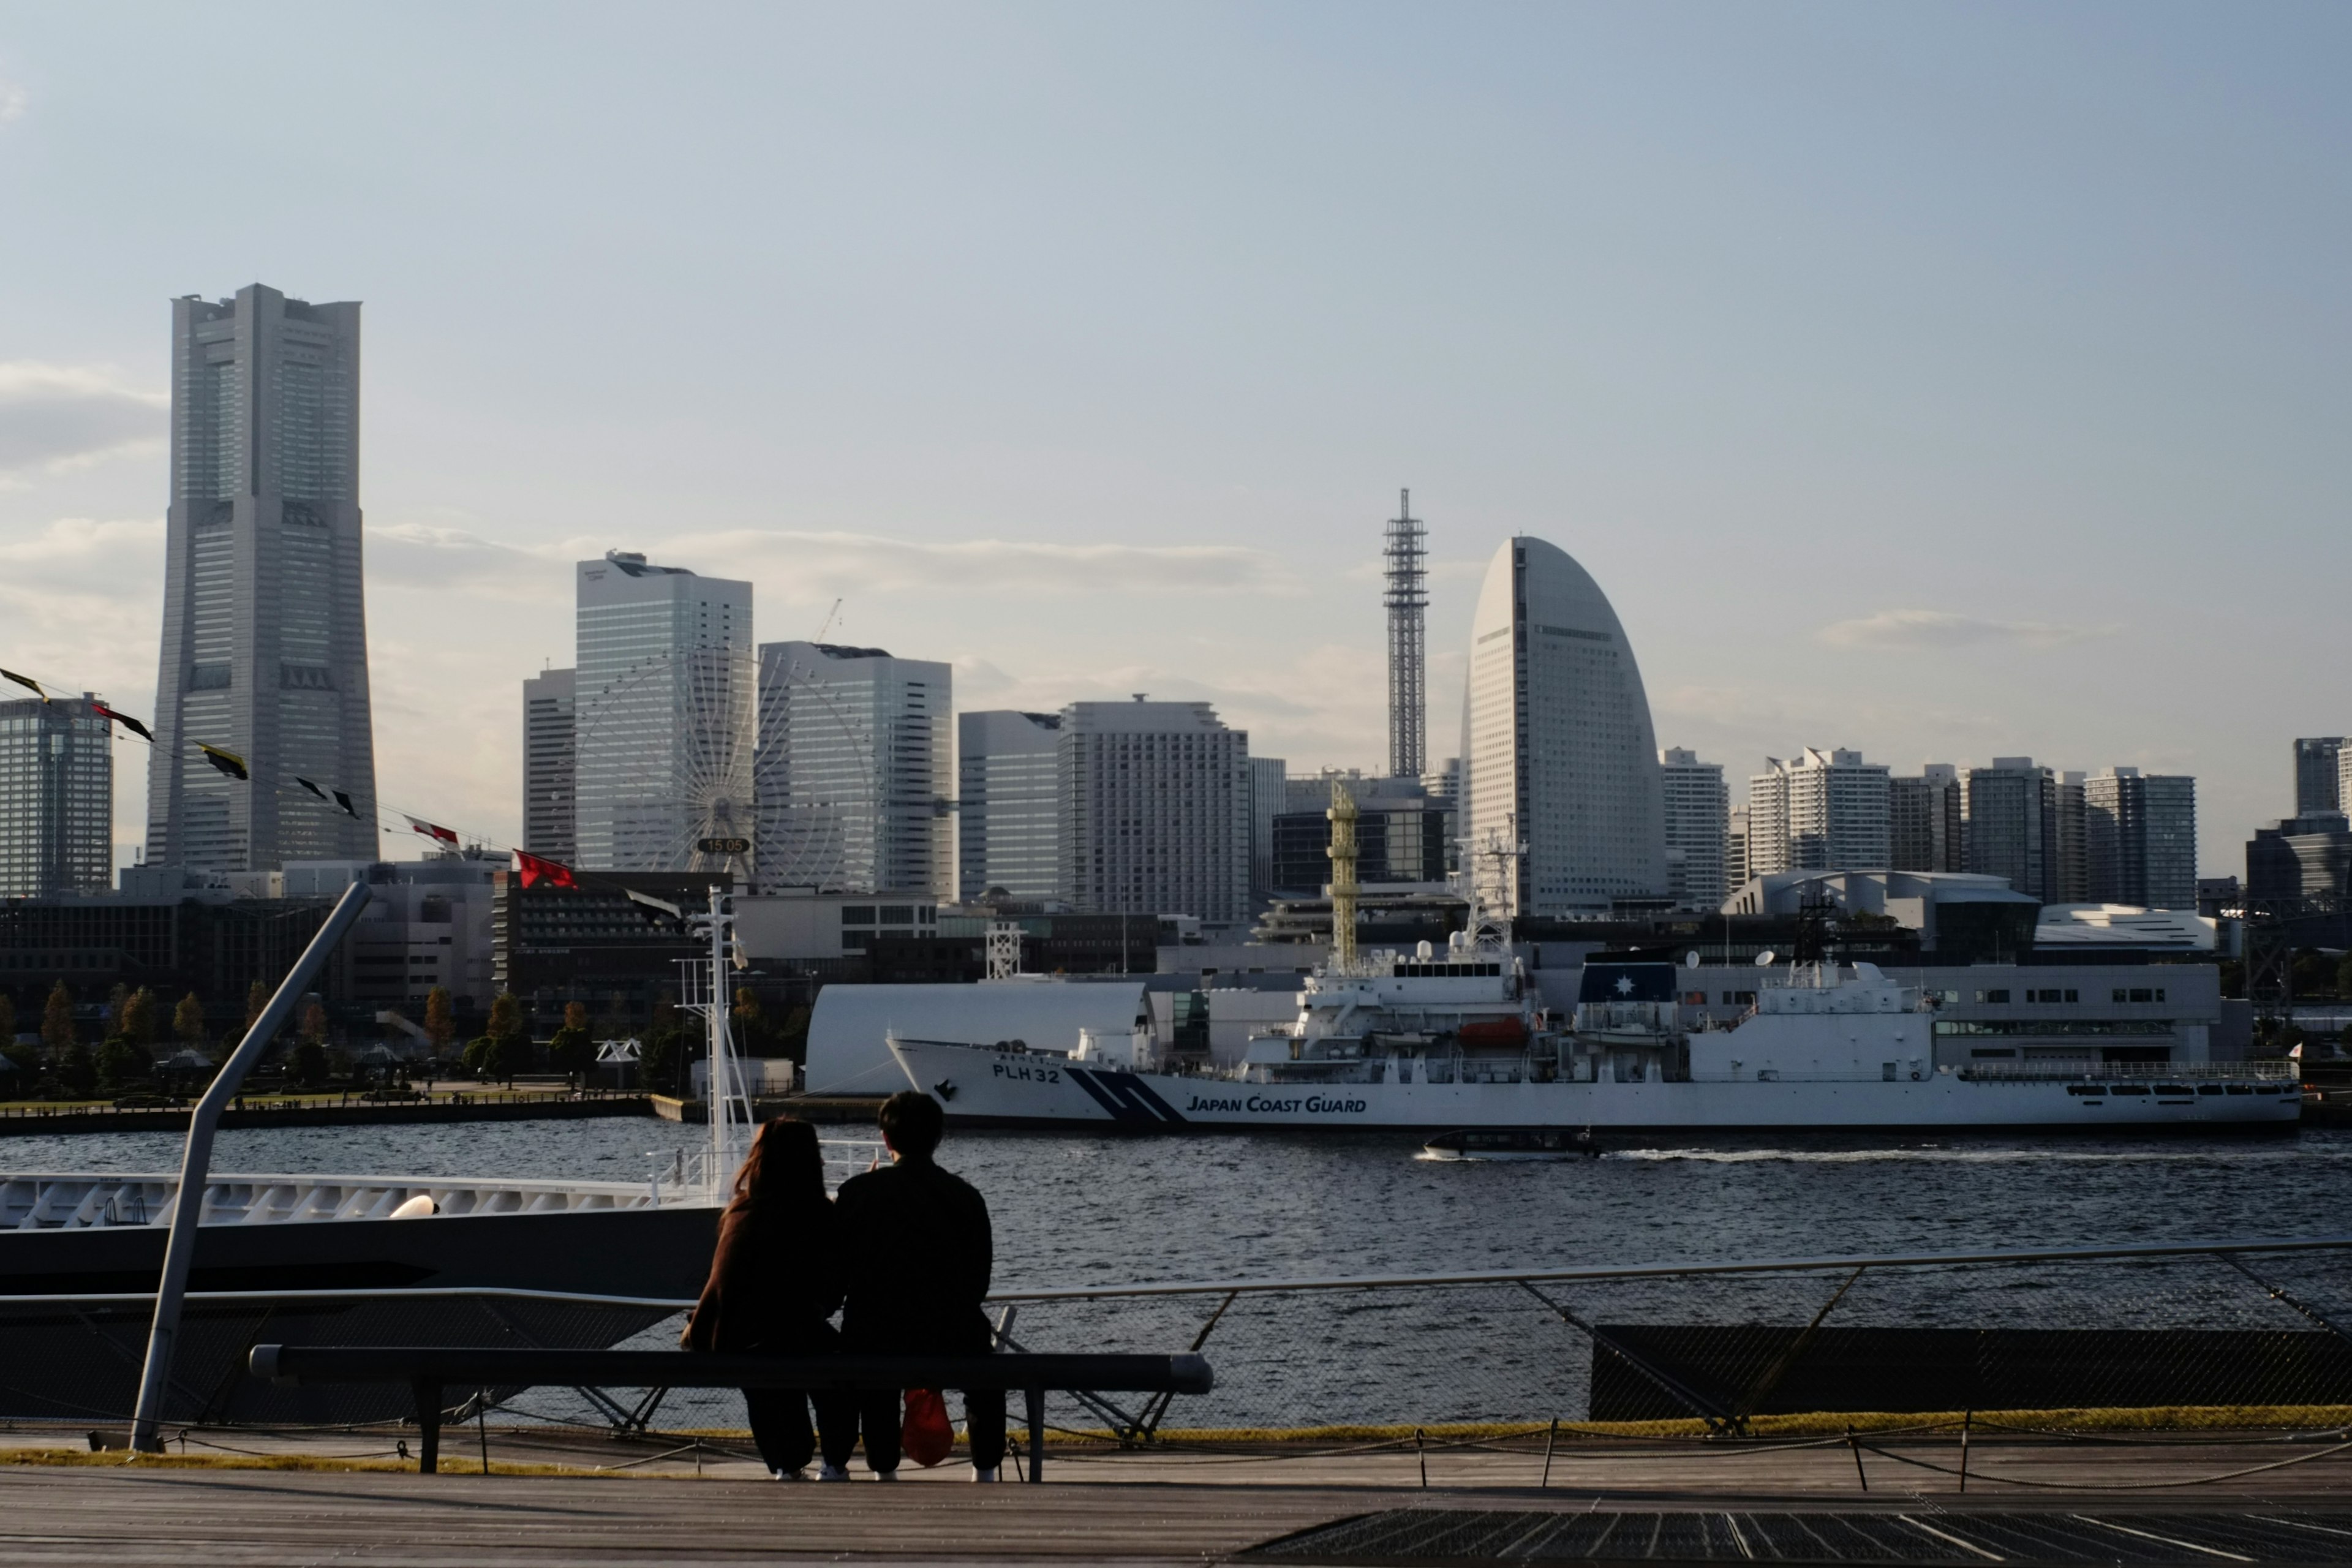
x,y
532,869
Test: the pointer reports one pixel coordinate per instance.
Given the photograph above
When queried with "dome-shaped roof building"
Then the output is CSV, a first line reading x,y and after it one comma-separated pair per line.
x,y
1557,752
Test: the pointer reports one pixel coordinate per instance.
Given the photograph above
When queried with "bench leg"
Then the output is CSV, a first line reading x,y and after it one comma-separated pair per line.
x,y
1035,1400
428,1426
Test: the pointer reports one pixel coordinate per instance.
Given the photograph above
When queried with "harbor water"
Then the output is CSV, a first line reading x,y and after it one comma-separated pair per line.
x,y
1099,1210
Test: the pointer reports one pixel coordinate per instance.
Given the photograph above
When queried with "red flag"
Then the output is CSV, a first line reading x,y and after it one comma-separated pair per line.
x,y
432,830
536,870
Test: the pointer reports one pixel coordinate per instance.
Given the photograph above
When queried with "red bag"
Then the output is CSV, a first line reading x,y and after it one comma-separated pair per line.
x,y
927,1435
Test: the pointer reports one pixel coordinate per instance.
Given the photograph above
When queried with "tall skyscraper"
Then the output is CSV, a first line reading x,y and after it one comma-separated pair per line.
x,y
1823,811
2318,764
1924,820
1698,820
1407,598
265,628
56,798
1560,768
662,716
2140,834
1009,807
1735,850
2009,823
548,763
1154,810
856,770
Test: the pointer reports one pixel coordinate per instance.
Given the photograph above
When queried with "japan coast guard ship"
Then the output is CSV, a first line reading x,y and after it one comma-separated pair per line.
x,y
1430,1041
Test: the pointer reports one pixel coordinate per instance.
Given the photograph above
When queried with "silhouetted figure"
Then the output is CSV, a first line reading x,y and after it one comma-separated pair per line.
x,y
920,1254
776,1276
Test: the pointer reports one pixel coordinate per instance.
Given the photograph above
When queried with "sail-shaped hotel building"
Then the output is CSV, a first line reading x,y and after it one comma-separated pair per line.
x,y
1560,761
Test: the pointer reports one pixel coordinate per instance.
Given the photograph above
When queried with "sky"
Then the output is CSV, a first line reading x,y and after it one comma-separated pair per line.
x,y
1942,381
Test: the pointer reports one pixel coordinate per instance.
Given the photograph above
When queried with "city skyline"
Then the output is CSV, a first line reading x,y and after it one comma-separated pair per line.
x,y
1995,456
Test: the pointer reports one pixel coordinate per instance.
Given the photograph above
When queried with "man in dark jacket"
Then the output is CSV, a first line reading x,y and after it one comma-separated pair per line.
x,y
919,1252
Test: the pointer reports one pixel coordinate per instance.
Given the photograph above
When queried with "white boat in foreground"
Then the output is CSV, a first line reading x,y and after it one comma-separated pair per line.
x,y
1428,1042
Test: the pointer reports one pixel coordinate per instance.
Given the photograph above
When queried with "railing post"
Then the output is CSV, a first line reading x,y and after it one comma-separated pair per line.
x,y
1035,1400
195,1163
428,1426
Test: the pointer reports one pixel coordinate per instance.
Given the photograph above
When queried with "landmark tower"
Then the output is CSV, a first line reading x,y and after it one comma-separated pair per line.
x,y
265,626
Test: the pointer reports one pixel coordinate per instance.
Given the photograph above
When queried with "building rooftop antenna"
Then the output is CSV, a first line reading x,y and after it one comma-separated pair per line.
x,y
1407,599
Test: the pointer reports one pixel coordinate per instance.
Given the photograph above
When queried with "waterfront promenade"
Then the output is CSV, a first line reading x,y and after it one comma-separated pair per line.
x,y
1137,1507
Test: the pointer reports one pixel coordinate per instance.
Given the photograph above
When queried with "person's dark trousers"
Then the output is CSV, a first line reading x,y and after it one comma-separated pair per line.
x,y
837,1426
779,1426
881,1412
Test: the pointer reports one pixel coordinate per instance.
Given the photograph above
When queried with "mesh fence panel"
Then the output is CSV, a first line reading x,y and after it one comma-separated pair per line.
x,y
2178,1342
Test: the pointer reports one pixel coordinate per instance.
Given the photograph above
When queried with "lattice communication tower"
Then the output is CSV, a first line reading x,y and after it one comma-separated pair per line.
x,y
1407,599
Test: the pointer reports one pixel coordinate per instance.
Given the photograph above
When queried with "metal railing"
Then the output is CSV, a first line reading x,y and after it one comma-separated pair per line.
x,y
2246,1336
687,1175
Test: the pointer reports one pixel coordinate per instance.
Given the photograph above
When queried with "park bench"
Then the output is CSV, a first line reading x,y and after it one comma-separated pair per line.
x,y
429,1369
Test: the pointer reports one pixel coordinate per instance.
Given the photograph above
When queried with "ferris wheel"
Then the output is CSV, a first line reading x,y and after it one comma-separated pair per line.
x,y
663,752
671,775
815,779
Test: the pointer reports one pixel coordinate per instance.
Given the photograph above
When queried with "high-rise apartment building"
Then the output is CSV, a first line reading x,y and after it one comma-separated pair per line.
x,y
2069,866
2009,824
2318,774
662,716
1270,779
1735,849
1009,804
1560,766
56,798
1155,811
265,628
1821,810
1698,820
549,736
1923,820
2141,838
855,771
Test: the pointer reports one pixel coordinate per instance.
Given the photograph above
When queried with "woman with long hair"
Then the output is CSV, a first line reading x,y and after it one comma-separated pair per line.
x,y
775,1278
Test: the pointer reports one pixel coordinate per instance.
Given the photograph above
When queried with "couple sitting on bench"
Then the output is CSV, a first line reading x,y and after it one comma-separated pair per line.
x,y
905,1255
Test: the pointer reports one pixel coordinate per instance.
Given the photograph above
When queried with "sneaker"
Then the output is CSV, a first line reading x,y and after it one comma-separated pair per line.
x,y
789,1475
886,1475
979,1474
831,1473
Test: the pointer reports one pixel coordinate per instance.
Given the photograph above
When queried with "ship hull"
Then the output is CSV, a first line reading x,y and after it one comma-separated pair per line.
x,y
663,1252
978,1086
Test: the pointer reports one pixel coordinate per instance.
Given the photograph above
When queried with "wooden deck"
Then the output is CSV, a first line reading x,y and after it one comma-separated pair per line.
x,y
1130,1508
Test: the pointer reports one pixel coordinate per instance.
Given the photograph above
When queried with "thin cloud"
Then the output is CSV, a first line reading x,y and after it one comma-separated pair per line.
x,y
808,566
55,416
13,101
1949,629
89,543
799,568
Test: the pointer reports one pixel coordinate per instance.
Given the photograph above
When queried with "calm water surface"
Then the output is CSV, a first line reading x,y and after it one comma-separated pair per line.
x,y
1099,1210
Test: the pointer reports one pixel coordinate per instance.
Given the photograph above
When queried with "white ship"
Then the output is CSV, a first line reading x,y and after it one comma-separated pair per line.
x,y
1459,1040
